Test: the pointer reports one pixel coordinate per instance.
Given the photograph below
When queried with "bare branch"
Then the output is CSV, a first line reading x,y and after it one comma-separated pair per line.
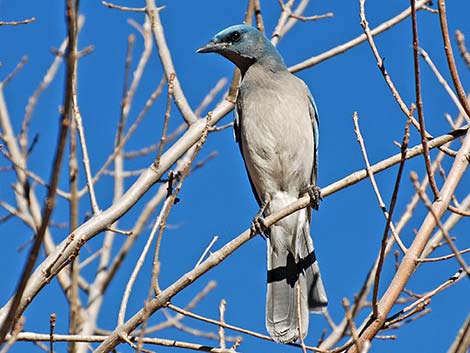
x,y
428,205
31,336
234,328
462,340
16,23
462,48
165,58
408,264
419,103
55,172
258,16
17,69
123,8
312,18
206,250
221,331
450,57
441,79
445,257
342,48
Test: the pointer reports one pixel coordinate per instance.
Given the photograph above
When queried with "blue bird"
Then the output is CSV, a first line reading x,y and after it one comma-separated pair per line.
x,y
276,127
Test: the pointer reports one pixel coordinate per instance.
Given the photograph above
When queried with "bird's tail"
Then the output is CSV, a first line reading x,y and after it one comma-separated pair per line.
x,y
292,264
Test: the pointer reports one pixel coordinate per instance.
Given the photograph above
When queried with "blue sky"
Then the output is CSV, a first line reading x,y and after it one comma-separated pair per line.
x,y
217,199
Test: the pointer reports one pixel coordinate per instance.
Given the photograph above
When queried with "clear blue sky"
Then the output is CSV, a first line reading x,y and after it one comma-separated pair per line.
x,y
217,199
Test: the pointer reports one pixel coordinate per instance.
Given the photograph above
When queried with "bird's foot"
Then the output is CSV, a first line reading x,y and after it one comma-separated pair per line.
x,y
258,226
315,196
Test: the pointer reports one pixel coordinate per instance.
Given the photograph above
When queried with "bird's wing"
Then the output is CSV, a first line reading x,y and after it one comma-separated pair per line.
x,y
238,140
316,137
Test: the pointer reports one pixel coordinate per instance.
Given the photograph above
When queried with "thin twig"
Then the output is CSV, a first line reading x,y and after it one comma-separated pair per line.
x,y
90,259
127,94
342,48
46,80
408,263
149,149
34,337
389,224
459,37
445,257
382,207
18,165
167,62
329,320
462,339
75,307
209,98
374,183
16,23
208,248
221,330
291,21
155,94
419,103
381,65
198,333
147,212
55,171
399,317
138,266
52,320
167,118
119,231
86,159
258,16
459,211
17,69
352,326
453,279
172,199
283,17
441,79
123,8
445,233
312,18
13,336
178,317
232,327
450,57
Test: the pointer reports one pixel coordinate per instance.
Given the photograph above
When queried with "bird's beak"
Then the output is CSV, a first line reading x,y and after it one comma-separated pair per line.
x,y
211,47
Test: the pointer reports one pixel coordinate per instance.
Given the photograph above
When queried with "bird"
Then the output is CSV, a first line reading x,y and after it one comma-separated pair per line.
x,y
277,129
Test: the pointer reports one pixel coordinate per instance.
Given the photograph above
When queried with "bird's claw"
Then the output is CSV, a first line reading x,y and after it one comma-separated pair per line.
x,y
258,226
315,196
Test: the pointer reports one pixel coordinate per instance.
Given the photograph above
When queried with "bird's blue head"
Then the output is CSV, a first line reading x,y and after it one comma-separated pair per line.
x,y
244,45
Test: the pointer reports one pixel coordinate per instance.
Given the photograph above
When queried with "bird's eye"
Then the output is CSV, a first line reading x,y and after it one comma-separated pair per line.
x,y
235,37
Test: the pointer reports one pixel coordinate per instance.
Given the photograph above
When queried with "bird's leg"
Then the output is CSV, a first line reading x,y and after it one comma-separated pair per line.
x,y
258,225
315,195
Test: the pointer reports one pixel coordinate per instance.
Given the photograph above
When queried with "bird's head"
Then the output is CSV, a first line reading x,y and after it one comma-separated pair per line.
x,y
244,45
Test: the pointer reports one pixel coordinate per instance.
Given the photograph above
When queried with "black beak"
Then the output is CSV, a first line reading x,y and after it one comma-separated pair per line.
x,y
211,47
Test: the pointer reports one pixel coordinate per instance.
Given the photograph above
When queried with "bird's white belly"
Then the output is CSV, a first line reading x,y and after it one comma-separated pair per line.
x,y
278,149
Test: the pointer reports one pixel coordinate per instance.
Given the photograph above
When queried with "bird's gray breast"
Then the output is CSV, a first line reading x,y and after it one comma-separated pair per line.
x,y
276,132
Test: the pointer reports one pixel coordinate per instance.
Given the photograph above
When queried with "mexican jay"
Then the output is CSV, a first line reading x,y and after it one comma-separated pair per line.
x,y
276,127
